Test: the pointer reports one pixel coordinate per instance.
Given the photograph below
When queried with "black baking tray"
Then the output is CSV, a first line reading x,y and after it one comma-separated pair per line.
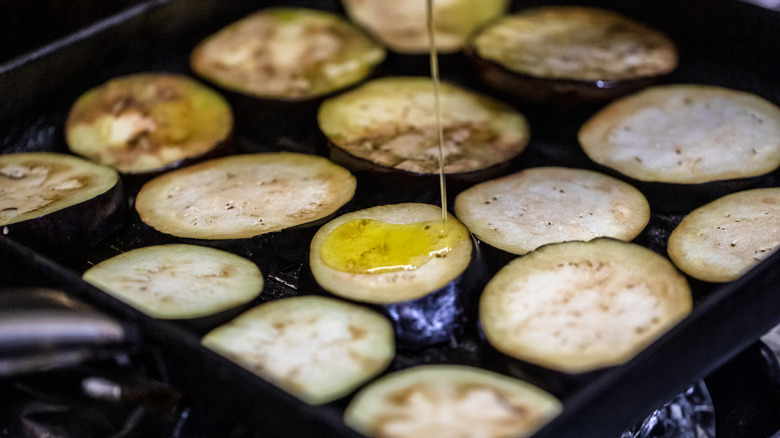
x,y
722,42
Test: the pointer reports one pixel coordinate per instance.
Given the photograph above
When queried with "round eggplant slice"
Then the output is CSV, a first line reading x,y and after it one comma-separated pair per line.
x,y
177,281
398,258
722,240
685,134
148,122
523,211
401,24
569,55
705,141
287,54
580,306
57,202
450,400
316,348
244,195
389,124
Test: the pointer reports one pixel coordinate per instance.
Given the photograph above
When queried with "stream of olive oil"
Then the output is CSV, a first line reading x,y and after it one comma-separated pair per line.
x,y
437,109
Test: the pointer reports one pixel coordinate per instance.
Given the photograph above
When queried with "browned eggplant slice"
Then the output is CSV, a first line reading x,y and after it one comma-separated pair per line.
x,y
177,281
580,306
316,348
147,122
565,55
401,24
720,241
699,139
287,54
277,65
57,202
397,258
450,400
523,211
244,195
389,125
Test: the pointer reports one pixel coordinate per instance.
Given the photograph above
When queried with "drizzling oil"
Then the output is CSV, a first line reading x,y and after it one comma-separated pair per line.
x,y
434,61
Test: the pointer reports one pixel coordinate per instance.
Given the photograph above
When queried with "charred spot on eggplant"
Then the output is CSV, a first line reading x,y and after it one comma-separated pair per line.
x,y
523,211
388,125
704,140
401,260
567,55
144,123
401,24
58,203
450,400
581,306
287,54
244,195
720,241
189,283
319,349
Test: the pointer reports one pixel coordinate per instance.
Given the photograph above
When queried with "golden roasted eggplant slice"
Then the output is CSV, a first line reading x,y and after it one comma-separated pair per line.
x,y
316,348
566,55
449,401
399,258
523,211
287,54
580,306
401,24
720,241
243,196
58,202
178,282
148,122
389,125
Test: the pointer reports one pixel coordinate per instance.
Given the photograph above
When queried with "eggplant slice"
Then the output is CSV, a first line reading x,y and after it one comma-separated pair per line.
x,y
569,54
450,401
243,196
401,24
722,240
580,306
287,54
397,258
686,134
316,348
58,202
148,122
389,124
178,281
523,211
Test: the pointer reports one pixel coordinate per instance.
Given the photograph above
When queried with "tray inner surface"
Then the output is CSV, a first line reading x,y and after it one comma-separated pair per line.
x,y
727,43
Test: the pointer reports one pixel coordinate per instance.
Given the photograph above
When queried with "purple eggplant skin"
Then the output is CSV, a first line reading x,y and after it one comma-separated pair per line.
x,y
204,324
134,181
74,228
564,93
558,383
681,198
441,316
406,185
272,252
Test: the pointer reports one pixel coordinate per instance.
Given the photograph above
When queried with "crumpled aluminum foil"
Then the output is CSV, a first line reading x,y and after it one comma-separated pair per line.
x,y
689,415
